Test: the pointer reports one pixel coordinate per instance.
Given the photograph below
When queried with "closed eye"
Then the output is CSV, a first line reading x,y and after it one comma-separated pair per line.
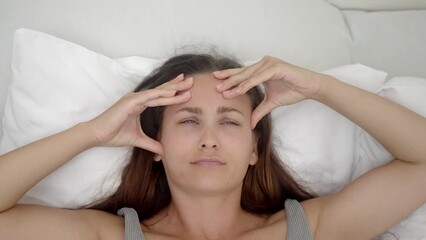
x,y
231,123
189,121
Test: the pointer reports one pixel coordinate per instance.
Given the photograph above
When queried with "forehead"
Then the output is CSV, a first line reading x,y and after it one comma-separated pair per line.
x,y
204,95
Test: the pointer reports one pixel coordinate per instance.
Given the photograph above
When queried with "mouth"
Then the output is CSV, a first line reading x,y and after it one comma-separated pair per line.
x,y
208,161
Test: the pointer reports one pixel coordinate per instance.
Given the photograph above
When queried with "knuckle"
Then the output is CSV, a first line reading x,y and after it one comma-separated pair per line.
x,y
243,75
128,96
275,65
234,80
154,102
266,58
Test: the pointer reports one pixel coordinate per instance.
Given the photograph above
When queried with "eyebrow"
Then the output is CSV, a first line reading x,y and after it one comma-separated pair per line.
x,y
220,110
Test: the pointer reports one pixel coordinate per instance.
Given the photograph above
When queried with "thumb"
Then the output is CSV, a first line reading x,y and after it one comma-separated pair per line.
x,y
150,145
260,111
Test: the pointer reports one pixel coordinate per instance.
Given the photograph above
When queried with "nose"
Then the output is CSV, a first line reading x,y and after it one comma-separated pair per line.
x,y
209,140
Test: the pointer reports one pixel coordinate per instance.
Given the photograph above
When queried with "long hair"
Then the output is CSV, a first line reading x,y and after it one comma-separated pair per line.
x,y
144,185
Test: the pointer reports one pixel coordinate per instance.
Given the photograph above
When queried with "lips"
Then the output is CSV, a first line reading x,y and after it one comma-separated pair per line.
x,y
208,161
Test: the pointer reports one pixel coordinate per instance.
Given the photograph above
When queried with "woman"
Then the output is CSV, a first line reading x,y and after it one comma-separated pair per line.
x,y
202,155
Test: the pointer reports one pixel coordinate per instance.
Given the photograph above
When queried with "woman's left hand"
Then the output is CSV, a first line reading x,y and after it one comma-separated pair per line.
x,y
284,84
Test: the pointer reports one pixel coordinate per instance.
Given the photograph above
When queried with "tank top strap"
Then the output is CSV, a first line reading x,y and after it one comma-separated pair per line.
x,y
132,227
297,224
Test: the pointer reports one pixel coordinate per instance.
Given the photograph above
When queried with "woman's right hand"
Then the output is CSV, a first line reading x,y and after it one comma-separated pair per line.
x,y
120,124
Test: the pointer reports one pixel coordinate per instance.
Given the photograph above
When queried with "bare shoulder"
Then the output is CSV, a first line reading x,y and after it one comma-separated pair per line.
x,y
107,225
40,222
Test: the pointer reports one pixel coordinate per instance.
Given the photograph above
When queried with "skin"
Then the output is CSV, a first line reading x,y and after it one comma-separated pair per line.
x,y
365,208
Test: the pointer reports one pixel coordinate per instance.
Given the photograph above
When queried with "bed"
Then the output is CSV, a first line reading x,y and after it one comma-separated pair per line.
x,y
66,61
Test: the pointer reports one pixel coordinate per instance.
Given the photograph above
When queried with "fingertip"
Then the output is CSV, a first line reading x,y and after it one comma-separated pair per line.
x,y
151,145
171,92
159,151
219,87
254,122
233,92
228,94
258,114
166,93
218,74
178,78
186,94
157,157
190,79
183,97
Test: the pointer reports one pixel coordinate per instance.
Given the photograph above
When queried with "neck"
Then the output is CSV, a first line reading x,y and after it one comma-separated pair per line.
x,y
209,217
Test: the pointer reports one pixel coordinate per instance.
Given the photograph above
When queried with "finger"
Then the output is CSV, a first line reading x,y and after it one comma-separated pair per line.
x,y
135,102
179,78
181,98
261,110
179,86
264,68
142,97
145,142
223,74
150,145
178,81
248,84
262,74
236,79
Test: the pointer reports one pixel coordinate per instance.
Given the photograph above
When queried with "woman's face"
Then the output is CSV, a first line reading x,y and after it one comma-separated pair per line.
x,y
208,143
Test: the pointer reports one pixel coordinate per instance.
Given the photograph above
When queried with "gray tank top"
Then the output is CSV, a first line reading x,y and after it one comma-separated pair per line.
x,y
297,225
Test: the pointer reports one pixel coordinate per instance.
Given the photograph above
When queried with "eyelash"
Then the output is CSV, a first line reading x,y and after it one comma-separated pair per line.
x,y
189,121
231,123
192,121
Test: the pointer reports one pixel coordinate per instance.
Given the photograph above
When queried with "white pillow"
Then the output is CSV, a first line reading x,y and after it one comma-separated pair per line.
x,y
319,143
57,84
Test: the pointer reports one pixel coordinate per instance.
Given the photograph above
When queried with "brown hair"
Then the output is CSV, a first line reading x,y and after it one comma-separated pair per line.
x,y
144,185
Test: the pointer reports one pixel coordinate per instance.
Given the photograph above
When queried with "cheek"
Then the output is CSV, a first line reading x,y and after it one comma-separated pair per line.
x,y
177,144
171,139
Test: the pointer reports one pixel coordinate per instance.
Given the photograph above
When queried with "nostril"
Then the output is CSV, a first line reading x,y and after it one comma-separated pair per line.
x,y
215,146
